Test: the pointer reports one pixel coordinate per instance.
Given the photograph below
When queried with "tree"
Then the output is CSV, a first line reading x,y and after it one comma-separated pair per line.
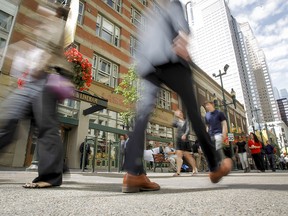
x,y
128,88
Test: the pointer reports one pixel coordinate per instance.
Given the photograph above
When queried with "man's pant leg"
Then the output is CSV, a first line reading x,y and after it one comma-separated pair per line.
x,y
16,107
50,147
271,158
178,78
133,163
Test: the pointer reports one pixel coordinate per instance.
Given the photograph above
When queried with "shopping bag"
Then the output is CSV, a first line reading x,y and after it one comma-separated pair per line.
x,y
59,85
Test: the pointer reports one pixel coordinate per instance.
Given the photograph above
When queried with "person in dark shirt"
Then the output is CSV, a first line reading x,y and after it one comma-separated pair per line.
x,y
217,127
269,150
85,151
241,151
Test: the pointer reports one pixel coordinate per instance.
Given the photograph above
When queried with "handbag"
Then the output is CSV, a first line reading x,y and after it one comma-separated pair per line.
x,y
60,86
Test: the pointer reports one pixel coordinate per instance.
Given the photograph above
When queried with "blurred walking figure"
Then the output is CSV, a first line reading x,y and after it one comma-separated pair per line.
x,y
183,145
122,152
197,154
171,156
84,150
241,151
35,98
162,58
269,149
255,148
217,127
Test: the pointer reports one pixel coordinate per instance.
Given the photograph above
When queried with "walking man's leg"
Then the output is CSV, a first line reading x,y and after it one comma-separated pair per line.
x,y
136,179
50,147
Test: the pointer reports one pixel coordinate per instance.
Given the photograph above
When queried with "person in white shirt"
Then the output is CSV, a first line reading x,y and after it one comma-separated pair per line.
x,y
170,153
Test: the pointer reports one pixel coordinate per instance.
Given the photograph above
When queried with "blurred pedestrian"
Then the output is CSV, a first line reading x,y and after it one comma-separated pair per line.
x,y
183,145
85,151
163,58
255,148
197,154
122,152
217,127
241,151
171,156
269,149
36,100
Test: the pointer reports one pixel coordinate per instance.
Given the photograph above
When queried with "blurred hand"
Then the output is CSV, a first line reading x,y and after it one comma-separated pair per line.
x,y
224,136
180,44
183,137
177,113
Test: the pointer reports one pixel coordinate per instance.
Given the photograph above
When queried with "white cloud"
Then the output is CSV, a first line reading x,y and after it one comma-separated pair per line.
x,y
235,5
277,66
276,52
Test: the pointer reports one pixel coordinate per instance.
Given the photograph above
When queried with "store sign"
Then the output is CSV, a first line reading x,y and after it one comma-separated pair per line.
x,y
96,103
86,97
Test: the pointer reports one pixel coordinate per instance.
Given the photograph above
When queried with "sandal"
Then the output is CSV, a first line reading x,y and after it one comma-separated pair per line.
x,y
176,174
195,172
37,185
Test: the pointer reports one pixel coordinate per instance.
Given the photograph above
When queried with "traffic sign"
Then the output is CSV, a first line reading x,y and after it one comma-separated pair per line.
x,y
230,136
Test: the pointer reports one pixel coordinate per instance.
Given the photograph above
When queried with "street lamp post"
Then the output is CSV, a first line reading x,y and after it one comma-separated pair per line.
x,y
267,132
225,104
257,119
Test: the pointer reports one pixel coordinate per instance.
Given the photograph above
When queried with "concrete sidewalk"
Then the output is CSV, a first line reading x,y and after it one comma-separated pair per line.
x,y
100,194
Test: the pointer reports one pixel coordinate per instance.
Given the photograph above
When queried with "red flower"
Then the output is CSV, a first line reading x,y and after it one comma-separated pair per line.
x,y
82,69
20,83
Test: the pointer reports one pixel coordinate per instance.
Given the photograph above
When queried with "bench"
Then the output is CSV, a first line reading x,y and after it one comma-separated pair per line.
x,y
159,161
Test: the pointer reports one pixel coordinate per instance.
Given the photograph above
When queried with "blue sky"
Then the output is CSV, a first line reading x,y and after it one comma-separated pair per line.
x,y
269,21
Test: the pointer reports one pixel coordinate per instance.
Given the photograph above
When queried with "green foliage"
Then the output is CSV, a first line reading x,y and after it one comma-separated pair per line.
x,y
128,89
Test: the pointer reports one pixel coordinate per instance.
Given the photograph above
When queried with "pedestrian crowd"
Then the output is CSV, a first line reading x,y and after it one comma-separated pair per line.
x,y
162,59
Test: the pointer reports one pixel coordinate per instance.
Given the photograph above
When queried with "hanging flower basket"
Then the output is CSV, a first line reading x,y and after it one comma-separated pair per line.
x,y
82,69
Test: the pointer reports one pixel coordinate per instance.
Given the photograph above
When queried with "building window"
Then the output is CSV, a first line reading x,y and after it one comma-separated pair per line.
x,y
144,2
107,31
115,4
133,45
81,13
137,18
104,71
164,99
68,108
159,130
73,45
7,12
63,2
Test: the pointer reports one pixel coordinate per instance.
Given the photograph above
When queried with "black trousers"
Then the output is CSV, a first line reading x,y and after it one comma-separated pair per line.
x,y
36,101
178,78
258,161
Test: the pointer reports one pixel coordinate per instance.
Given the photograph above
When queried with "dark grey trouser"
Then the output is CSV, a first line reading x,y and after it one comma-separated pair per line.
x,y
178,78
35,100
271,158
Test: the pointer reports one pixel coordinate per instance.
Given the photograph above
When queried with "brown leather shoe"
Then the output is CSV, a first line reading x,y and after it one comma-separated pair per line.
x,y
223,170
137,183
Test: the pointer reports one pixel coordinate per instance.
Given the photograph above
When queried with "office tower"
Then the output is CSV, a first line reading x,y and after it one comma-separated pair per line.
x,y
259,78
213,42
283,93
283,109
217,40
276,93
